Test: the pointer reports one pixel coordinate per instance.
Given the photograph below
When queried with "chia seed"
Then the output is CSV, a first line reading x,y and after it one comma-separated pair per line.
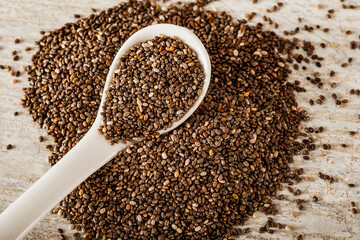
x,y
214,162
156,84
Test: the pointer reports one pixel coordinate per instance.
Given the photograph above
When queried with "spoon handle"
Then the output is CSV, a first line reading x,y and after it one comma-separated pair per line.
x,y
92,152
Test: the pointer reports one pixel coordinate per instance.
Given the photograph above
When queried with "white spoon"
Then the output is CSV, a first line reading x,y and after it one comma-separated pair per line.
x,y
93,151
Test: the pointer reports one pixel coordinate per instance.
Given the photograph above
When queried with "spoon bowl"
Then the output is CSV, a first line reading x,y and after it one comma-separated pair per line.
x,y
93,150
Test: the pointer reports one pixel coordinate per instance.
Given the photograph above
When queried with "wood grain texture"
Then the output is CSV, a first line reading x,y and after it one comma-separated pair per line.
x,y
329,219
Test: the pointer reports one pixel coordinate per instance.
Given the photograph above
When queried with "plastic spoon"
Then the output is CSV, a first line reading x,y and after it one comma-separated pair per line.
x,y
92,151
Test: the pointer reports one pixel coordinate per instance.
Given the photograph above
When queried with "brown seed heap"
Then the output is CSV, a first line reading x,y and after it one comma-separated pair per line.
x,y
156,84
199,180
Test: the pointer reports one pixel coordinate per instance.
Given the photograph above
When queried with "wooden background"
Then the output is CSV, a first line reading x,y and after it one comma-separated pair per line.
x,y
331,218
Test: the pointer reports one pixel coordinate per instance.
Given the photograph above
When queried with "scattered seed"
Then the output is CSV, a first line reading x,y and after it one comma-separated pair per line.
x,y
326,146
294,214
326,177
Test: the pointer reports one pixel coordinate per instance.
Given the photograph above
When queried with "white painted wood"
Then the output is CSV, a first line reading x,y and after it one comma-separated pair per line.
x,y
329,219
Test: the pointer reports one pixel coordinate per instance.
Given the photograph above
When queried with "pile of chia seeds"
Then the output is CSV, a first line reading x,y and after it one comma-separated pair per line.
x,y
224,164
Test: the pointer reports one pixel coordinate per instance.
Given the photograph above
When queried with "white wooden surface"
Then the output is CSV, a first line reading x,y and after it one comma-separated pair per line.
x,y
329,219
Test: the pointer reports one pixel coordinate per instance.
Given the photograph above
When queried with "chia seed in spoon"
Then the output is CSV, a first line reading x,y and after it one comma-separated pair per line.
x,y
156,83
